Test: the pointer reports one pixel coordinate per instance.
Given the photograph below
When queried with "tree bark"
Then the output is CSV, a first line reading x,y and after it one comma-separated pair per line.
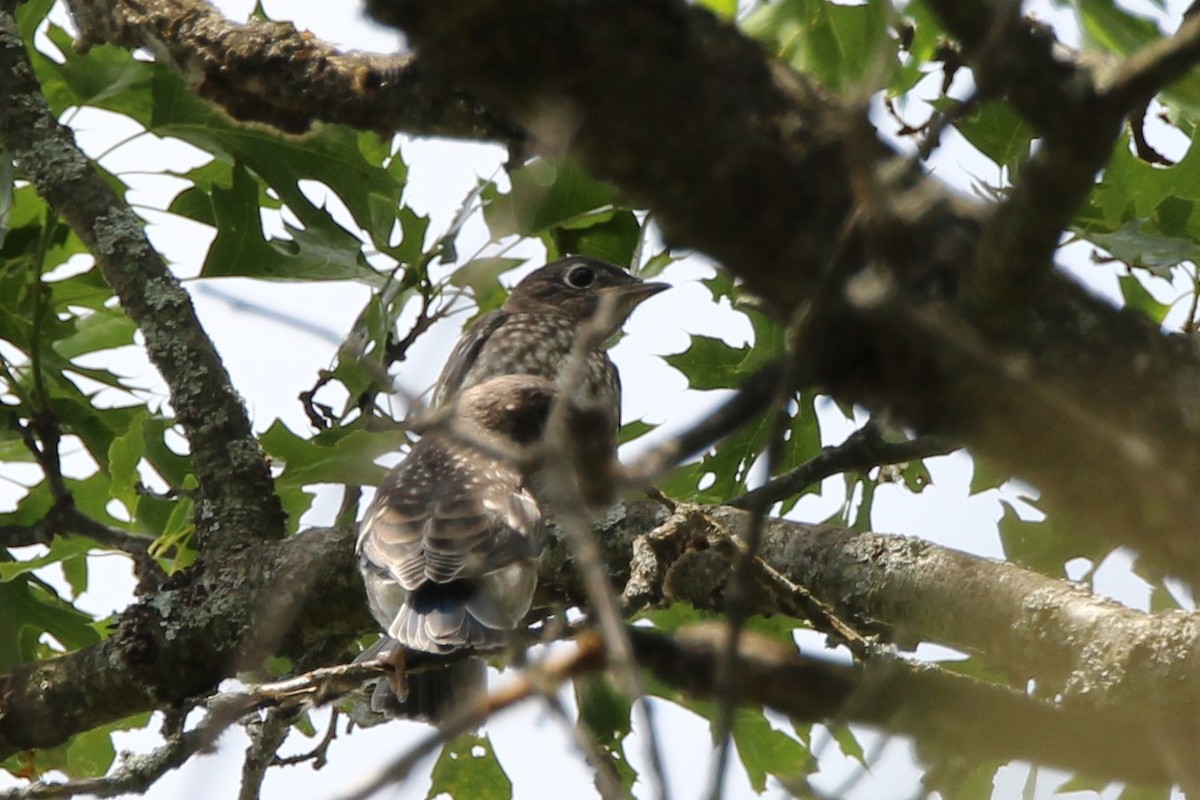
x,y
1110,663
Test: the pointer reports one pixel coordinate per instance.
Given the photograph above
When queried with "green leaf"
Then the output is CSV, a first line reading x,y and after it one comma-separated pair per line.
x,y
606,713
722,8
1132,792
1138,244
916,476
124,454
352,164
545,194
1138,298
482,276
322,250
90,754
31,610
984,476
712,363
30,14
175,540
1110,28
996,131
848,743
635,429
106,77
468,767
1082,783
343,456
675,616
61,549
1047,545
765,751
100,330
840,45
614,238
85,755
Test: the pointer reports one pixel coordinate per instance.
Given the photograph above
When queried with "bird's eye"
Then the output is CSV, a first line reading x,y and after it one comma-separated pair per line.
x,y
581,277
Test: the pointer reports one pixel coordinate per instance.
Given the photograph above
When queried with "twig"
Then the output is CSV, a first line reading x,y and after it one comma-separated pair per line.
x,y
802,325
562,491
738,596
862,450
588,655
63,517
137,773
942,120
267,733
319,755
793,598
1155,66
753,396
298,81
1137,126
608,781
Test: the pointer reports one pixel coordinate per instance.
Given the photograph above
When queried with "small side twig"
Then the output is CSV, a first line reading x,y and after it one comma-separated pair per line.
x,y
862,450
588,655
753,397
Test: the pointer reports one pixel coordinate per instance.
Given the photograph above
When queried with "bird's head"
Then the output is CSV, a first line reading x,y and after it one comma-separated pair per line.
x,y
578,287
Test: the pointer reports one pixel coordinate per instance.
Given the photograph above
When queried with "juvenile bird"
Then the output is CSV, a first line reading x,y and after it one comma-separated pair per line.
x,y
536,330
449,545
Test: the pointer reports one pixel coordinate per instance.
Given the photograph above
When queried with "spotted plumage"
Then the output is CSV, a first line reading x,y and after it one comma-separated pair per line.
x,y
448,547
536,330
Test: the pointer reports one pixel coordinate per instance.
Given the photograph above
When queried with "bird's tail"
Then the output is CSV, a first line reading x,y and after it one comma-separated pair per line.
x,y
434,693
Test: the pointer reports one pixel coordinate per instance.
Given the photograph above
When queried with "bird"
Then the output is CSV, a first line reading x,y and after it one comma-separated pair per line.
x,y
536,330
448,546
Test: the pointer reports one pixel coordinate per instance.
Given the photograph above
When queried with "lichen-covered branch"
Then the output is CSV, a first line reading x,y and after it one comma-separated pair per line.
x,y
237,497
1101,656
218,618
270,72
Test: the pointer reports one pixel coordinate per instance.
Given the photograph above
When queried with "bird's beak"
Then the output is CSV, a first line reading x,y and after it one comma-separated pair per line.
x,y
635,293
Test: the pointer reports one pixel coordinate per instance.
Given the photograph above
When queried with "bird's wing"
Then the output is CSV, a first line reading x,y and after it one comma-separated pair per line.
x,y
447,514
464,354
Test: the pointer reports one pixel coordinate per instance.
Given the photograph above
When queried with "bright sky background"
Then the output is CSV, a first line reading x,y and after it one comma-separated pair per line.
x,y
271,363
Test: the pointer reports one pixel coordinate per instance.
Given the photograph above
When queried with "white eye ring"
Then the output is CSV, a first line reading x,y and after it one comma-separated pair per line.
x,y
580,277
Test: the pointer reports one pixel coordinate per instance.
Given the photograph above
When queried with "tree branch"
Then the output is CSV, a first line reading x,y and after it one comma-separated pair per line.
x,y
236,490
220,617
927,704
1019,59
270,72
1094,652
614,86
137,774
862,451
1154,67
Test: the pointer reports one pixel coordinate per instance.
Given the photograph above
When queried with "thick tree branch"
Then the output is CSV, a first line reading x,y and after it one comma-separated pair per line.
x,y
137,773
1015,58
236,490
930,705
1079,118
1018,58
1098,654
766,191
270,72
206,624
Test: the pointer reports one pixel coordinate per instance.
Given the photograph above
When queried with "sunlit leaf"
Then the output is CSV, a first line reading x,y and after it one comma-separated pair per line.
x,y
468,767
